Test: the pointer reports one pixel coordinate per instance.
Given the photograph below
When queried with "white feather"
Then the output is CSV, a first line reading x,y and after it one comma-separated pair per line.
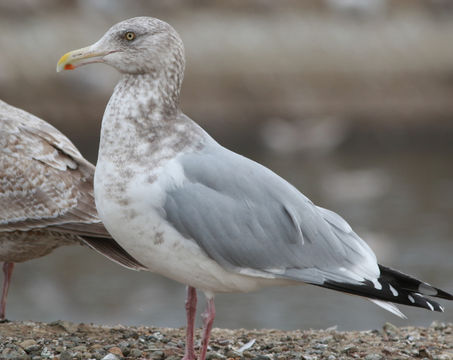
x,y
389,307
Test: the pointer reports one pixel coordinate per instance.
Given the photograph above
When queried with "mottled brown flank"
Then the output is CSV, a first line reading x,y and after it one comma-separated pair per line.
x,y
46,189
19,246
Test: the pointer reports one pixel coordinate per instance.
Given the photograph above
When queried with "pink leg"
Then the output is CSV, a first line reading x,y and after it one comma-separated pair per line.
x,y
191,310
208,319
7,271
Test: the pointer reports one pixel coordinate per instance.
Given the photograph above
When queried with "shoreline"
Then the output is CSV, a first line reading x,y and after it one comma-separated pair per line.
x,y
64,340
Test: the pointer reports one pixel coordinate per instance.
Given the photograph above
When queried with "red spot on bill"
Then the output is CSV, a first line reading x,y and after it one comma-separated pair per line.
x,y
69,67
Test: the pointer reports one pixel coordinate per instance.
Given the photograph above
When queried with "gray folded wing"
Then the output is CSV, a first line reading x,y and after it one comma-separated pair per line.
x,y
250,220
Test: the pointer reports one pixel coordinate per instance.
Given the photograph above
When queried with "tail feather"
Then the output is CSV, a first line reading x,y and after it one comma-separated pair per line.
x,y
396,287
389,307
112,250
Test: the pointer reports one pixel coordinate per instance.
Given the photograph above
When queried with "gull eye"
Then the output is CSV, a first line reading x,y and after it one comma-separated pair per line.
x,y
130,35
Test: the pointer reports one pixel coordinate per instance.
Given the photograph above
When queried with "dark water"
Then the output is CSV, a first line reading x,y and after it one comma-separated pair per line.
x,y
400,202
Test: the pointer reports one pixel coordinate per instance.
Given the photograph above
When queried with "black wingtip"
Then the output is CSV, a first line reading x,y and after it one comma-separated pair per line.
x,y
412,284
443,294
396,287
388,292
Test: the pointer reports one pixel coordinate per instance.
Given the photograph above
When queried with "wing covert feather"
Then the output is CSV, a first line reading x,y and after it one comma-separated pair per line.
x,y
44,180
244,216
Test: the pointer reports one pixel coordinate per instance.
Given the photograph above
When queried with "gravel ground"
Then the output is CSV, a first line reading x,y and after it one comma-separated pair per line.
x,y
65,341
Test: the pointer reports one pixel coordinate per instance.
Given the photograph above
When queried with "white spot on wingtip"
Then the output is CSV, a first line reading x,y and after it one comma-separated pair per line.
x,y
411,299
430,306
377,284
441,308
393,290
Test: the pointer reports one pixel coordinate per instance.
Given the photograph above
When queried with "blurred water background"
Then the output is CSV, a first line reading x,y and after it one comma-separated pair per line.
x,y
351,101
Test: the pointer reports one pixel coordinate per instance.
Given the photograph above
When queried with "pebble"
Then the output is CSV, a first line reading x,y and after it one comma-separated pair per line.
x,y
373,357
66,355
46,352
124,347
424,353
65,325
444,356
390,329
110,357
159,354
116,350
29,345
80,348
262,357
349,349
214,355
135,353
14,353
308,357
233,354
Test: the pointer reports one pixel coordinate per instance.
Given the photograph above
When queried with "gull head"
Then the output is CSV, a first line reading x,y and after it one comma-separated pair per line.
x,y
135,46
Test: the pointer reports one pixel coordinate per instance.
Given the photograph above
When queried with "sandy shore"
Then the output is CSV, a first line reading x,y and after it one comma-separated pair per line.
x,y
63,340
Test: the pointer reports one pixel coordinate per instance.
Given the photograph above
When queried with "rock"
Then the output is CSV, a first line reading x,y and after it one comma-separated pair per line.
x,y
233,354
158,354
46,352
135,353
444,356
391,329
124,346
116,350
80,348
65,325
15,353
387,350
66,355
110,357
214,355
68,344
373,357
424,353
248,354
326,339
349,349
438,325
308,357
29,345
